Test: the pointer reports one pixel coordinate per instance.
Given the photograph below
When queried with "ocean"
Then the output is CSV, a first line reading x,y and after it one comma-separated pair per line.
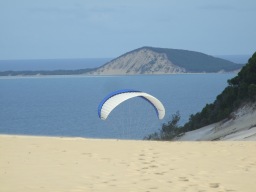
x,y
67,105
51,64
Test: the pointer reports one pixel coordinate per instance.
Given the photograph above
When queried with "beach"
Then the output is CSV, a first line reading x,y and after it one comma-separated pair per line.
x,y
30,163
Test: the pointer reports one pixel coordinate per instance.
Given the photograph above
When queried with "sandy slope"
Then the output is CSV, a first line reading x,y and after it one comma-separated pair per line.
x,y
242,127
38,164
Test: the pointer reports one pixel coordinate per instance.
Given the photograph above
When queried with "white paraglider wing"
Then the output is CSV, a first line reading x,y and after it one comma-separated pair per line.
x,y
117,97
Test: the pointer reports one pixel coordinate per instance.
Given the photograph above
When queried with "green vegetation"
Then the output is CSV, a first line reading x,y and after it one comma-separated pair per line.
x,y
168,131
241,90
195,61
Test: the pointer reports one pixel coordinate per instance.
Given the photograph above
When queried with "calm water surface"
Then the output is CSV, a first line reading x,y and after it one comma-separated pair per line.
x,y
67,105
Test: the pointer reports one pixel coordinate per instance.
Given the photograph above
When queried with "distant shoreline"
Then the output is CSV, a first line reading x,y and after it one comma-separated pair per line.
x,y
38,75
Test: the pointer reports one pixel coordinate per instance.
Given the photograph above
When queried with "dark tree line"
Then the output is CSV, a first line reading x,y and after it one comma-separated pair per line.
x,y
240,90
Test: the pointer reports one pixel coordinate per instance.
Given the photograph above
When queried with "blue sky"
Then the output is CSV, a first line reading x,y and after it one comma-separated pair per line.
x,y
50,29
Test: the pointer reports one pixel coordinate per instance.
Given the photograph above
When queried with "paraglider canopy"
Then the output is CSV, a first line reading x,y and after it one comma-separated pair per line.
x,y
117,97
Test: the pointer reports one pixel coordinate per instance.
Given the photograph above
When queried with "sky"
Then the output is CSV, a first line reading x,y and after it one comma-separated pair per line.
x,y
59,29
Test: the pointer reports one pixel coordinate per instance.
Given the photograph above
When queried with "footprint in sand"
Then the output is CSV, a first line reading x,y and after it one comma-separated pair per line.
x,y
160,173
183,179
214,185
144,168
87,154
153,166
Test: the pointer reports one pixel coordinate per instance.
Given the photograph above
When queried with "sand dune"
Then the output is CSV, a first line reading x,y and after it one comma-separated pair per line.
x,y
75,164
242,127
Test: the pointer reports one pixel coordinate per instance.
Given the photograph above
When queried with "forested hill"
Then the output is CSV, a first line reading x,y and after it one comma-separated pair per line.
x,y
241,90
150,60
194,61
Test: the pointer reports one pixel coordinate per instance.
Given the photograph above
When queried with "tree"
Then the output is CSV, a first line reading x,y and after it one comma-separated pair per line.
x,y
171,129
168,131
252,92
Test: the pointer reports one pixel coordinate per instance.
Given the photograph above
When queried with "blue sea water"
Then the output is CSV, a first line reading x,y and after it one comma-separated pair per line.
x,y
67,105
51,64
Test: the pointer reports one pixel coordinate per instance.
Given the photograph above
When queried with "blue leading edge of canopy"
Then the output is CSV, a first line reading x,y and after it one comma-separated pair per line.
x,y
113,94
